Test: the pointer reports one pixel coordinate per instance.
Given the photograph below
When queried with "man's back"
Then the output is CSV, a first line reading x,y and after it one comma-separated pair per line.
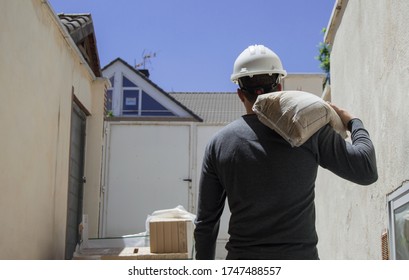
x,y
270,190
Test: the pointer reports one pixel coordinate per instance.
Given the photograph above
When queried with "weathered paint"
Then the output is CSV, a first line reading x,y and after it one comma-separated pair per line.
x,y
39,72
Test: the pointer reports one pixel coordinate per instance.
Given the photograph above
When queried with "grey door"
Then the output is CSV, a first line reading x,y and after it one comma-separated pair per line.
x,y
76,180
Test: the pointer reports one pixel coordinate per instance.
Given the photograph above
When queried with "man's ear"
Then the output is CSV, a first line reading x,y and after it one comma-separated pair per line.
x,y
240,94
279,87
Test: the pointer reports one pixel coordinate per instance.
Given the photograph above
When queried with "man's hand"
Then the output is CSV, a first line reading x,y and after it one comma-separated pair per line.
x,y
343,114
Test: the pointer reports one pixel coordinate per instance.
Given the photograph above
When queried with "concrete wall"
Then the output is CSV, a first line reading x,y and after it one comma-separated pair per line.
x,y
39,72
370,78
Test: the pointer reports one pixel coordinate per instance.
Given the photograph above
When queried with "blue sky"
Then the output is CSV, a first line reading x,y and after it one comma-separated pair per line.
x,y
197,41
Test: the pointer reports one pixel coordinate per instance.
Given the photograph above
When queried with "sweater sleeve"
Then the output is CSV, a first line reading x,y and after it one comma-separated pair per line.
x,y
356,161
210,208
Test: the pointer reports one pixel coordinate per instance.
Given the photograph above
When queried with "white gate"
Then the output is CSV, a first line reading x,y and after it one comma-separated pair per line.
x,y
147,168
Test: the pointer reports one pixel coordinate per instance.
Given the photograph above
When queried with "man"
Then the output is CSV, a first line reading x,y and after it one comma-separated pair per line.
x,y
268,184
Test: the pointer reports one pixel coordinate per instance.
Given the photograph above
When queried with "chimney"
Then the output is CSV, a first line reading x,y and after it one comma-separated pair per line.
x,y
145,72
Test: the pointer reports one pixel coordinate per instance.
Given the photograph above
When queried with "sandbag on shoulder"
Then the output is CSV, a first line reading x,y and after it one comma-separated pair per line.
x,y
296,115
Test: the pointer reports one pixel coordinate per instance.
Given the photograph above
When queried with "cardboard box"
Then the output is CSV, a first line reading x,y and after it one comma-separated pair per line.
x,y
171,235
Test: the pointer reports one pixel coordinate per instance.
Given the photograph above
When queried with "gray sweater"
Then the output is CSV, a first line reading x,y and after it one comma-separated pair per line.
x,y
270,187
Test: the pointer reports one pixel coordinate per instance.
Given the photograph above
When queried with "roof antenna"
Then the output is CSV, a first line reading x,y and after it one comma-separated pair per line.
x,y
145,58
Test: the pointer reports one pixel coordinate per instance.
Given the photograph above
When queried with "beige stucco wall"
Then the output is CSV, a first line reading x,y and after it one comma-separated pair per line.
x,y
370,77
39,70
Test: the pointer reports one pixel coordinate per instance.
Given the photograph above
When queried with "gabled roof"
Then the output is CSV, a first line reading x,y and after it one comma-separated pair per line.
x,y
143,76
81,29
212,107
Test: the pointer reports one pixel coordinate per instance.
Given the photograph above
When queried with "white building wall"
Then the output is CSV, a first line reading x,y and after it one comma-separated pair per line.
x,y
308,82
370,78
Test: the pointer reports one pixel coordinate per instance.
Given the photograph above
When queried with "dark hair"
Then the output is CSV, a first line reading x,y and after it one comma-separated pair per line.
x,y
258,84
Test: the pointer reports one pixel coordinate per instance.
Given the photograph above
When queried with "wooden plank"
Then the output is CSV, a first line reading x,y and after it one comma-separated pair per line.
x,y
182,237
167,236
175,237
127,253
160,238
153,237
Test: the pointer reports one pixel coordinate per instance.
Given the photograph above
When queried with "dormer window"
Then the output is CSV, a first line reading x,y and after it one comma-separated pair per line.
x,y
134,96
136,102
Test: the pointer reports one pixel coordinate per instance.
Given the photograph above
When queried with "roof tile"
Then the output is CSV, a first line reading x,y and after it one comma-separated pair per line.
x,y
212,107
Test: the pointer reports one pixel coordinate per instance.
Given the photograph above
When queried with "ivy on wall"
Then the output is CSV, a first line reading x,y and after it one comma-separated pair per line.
x,y
324,53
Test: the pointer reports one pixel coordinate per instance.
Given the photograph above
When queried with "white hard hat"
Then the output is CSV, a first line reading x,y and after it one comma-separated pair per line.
x,y
257,60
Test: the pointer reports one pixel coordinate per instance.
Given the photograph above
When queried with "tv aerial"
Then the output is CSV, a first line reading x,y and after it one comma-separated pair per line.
x,y
146,58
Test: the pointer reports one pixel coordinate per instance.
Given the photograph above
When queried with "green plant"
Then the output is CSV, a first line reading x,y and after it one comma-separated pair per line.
x,y
324,54
110,114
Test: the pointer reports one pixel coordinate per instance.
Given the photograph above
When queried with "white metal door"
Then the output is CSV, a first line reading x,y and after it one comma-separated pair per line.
x,y
146,169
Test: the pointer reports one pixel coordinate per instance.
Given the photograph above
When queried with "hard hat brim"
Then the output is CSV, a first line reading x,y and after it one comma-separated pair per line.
x,y
235,77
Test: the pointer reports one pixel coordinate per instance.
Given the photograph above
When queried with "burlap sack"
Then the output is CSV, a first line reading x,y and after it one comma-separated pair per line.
x,y
296,115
